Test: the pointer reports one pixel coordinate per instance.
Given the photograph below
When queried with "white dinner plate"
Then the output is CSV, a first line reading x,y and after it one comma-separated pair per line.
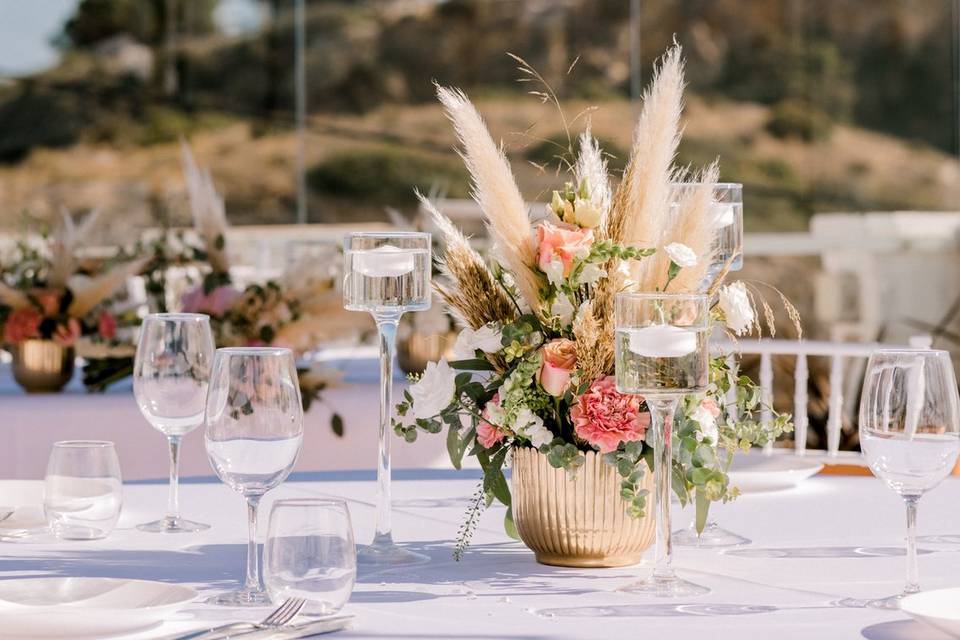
x,y
60,608
937,608
756,472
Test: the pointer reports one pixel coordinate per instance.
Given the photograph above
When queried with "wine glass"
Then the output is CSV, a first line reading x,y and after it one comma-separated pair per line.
x,y
386,274
254,429
170,376
726,220
662,354
310,553
909,421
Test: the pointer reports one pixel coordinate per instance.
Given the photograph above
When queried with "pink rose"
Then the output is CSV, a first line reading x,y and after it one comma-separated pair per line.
x,y
22,324
67,334
559,360
216,303
107,326
489,434
711,405
562,243
605,417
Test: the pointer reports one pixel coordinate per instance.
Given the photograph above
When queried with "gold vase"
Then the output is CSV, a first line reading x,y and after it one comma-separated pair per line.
x,y
579,522
42,366
416,349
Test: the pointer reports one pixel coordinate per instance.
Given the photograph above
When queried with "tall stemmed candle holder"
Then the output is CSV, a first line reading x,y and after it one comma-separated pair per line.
x,y
386,275
662,354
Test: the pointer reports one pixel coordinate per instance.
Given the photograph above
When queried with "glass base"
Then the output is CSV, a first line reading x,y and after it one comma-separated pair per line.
x,y
712,536
173,525
388,554
242,598
666,587
891,603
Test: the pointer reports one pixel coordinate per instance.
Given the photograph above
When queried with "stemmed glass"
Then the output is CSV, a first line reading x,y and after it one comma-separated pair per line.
x,y
386,274
171,371
726,214
662,354
254,429
909,421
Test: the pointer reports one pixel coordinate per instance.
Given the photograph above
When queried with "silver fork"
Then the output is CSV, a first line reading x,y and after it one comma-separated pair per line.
x,y
278,618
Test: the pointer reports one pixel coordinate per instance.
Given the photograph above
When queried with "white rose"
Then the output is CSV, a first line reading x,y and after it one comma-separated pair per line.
x,y
586,214
554,272
434,391
708,424
486,339
681,254
737,310
563,308
529,425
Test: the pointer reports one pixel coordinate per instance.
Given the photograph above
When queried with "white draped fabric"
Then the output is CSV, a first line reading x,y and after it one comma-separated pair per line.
x,y
828,539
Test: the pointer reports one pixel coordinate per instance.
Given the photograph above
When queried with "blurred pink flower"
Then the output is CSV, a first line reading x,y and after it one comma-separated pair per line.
x,y
67,334
22,324
604,417
107,326
559,360
561,243
216,303
48,300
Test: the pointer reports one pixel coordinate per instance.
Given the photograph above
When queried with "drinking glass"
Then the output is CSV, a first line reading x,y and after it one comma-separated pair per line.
x,y
82,489
310,553
726,220
386,274
254,429
170,375
662,354
909,421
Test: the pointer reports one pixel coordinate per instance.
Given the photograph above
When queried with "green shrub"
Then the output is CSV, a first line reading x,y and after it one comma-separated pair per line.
x,y
387,175
796,119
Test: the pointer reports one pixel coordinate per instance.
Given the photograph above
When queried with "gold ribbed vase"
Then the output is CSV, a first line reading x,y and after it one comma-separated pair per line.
x,y
579,522
42,366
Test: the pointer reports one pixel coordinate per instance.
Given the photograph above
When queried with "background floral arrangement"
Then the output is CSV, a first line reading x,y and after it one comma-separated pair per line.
x,y
48,292
534,361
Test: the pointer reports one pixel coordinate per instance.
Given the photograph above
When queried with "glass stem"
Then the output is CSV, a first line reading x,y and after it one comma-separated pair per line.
x,y
387,328
173,497
913,571
661,415
253,582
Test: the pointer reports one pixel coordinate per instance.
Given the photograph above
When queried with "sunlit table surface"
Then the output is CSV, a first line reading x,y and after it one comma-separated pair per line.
x,y
830,538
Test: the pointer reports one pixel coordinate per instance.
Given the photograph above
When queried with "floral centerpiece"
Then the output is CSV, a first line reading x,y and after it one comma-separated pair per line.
x,y
532,376
53,303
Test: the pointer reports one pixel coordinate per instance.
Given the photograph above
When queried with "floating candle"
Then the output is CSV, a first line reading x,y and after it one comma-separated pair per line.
x,y
384,262
662,341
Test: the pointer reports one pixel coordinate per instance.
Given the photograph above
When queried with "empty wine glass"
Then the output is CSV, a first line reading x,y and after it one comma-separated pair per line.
x,y
386,275
170,376
310,553
726,220
909,422
662,354
254,429
82,491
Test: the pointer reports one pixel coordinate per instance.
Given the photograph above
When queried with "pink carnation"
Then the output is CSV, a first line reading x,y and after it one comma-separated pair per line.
x,y
107,326
604,417
488,434
216,303
22,324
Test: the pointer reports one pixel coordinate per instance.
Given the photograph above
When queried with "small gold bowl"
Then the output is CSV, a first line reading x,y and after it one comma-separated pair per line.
x,y
42,366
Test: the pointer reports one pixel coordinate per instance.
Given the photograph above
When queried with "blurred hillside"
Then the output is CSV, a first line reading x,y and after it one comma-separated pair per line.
x,y
815,105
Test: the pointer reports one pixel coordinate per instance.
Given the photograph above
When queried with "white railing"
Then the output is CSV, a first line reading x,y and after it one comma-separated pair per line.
x,y
839,354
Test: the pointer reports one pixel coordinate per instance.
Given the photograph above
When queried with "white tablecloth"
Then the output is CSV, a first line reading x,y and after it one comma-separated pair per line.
x,y
29,424
828,539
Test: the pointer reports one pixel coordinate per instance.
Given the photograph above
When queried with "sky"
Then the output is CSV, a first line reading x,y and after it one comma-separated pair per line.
x,y
28,26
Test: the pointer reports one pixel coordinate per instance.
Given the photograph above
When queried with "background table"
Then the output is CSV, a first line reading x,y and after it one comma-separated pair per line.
x,y
830,538
31,423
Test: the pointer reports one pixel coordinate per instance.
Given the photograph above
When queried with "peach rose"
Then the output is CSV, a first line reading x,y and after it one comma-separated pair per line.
x,y
48,300
561,243
559,360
